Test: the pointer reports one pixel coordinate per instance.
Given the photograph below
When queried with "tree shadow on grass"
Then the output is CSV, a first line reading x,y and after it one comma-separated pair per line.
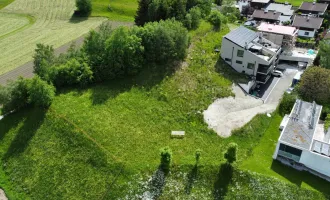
x,y
75,18
156,184
224,178
33,119
192,177
10,121
298,177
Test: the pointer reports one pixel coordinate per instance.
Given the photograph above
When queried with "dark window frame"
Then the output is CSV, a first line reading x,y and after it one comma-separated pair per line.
x,y
239,62
240,53
251,64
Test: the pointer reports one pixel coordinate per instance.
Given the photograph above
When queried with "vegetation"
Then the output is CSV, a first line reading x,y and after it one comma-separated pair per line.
x,y
4,3
84,7
314,85
327,123
231,152
165,158
286,104
216,18
21,30
324,52
295,3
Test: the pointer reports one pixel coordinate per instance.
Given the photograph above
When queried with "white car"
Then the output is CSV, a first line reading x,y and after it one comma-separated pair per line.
x,y
277,73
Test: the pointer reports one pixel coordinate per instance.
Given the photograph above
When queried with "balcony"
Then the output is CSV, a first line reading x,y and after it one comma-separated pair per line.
x,y
261,78
264,69
289,155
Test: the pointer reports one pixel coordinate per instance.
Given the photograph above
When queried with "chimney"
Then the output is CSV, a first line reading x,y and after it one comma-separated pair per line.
x,y
266,11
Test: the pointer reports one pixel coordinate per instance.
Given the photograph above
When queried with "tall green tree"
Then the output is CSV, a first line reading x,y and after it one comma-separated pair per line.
x,y
44,58
196,16
84,7
41,94
324,53
142,15
215,19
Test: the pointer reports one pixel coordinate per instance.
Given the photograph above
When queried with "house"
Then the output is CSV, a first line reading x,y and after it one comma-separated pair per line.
x,y
249,53
307,25
324,1
302,145
313,8
285,10
259,4
280,35
267,16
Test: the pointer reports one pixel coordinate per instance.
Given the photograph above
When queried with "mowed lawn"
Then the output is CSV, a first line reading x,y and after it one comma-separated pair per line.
x,y
116,10
4,3
28,22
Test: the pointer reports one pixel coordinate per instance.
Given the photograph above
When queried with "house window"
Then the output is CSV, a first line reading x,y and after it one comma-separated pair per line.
x,y
239,62
306,33
228,59
240,53
250,66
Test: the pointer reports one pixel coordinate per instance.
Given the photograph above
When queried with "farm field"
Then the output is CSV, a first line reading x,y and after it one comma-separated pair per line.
x,y
103,142
28,22
118,10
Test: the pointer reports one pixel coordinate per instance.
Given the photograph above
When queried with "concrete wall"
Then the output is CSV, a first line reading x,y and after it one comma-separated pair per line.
x,y
316,162
310,33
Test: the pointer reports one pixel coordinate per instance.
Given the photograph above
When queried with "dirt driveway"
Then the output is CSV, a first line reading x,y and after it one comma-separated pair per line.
x,y
3,195
227,114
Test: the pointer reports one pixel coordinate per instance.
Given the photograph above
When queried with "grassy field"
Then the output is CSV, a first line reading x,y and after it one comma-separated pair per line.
x,y
296,3
118,10
24,23
4,3
103,142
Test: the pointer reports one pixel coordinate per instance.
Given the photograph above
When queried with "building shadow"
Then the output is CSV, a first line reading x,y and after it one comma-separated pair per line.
x,y
156,184
192,177
223,180
298,177
34,117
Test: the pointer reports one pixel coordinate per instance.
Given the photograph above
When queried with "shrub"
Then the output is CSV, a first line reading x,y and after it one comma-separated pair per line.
x,y
286,104
324,54
196,16
325,112
215,19
231,152
327,122
14,96
41,94
198,155
44,58
165,158
84,7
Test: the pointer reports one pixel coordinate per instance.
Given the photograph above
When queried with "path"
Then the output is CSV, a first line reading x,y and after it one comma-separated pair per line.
x,y
3,195
26,70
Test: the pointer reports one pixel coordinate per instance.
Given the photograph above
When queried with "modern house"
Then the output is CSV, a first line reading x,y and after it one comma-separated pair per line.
x,y
302,145
259,4
313,8
266,16
307,25
248,52
281,35
324,1
285,10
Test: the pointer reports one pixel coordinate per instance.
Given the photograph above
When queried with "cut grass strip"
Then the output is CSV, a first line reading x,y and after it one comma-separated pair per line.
x,y
4,3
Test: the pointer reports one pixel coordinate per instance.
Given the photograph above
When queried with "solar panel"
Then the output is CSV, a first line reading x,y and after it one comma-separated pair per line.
x,y
317,147
325,149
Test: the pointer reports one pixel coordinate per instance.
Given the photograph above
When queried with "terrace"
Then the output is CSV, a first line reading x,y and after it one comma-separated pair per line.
x,y
263,48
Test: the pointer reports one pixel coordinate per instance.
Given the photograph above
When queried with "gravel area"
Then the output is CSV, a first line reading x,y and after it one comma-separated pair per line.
x,y
3,195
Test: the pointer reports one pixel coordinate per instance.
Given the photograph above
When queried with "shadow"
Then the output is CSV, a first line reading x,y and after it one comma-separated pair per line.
x,y
146,79
264,89
298,177
228,72
76,18
192,176
10,121
33,119
224,178
156,184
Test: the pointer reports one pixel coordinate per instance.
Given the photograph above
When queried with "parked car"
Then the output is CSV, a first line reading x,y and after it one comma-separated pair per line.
x,y
277,73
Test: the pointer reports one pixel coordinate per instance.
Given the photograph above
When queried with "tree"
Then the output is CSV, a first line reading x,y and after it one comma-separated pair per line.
x,y
315,85
44,58
215,19
286,104
142,15
178,10
84,7
124,53
165,158
198,155
231,152
324,53
41,94
196,16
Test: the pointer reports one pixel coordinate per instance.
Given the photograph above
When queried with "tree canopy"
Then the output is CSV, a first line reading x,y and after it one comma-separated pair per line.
x,y
84,7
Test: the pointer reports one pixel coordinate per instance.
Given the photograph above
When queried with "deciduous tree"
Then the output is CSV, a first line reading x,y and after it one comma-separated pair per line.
x,y
84,7
231,153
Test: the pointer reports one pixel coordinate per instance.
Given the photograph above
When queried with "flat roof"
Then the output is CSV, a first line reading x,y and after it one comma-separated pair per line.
x,y
307,22
282,8
312,6
270,15
302,124
272,28
241,36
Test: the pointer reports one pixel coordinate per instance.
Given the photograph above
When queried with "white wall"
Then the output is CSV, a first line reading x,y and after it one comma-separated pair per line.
x,y
302,33
229,50
316,162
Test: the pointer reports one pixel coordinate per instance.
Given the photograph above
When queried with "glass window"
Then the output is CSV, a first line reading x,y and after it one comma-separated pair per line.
x,y
228,59
250,66
240,53
239,62
306,33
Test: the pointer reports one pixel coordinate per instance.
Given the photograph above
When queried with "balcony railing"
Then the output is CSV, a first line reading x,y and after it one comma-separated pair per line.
x,y
289,155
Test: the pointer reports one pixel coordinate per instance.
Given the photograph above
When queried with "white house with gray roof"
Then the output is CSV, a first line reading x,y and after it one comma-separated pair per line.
x,y
248,52
301,144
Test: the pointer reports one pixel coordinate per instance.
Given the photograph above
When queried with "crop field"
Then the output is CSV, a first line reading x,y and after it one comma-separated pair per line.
x,y
24,23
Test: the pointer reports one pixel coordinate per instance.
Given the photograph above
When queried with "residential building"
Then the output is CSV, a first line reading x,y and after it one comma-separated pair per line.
x,y
302,144
249,53
284,36
307,25
285,10
313,8
259,4
266,16
324,1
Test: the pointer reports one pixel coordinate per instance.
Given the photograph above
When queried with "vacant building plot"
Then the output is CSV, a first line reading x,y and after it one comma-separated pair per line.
x,y
24,23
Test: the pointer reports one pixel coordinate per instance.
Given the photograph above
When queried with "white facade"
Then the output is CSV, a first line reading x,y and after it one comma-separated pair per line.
x,y
316,162
305,33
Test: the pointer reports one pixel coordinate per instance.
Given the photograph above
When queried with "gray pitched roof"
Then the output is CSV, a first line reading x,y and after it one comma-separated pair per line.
x,y
270,15
241,36
281,8
307,22
310,6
